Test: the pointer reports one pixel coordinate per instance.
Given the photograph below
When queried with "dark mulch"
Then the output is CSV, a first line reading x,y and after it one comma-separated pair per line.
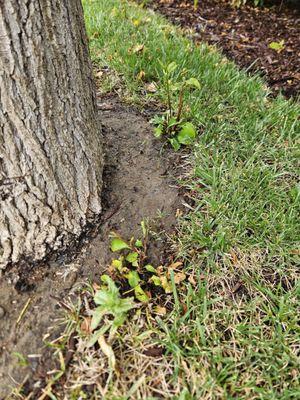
x,y
245,34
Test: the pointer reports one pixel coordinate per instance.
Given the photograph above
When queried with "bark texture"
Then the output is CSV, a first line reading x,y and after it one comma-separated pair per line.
x,y
50,142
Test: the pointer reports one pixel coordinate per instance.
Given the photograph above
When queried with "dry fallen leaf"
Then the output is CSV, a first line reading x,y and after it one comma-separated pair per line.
x,y
178,213
192,281
160,270
85,326
138,48
108,351
236,287
154,351
95,286
141,75
99,74
175,265
160,310
179,277
151,87
184,308
234,257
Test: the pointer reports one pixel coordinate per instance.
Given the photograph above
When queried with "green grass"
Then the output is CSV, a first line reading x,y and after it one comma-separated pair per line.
x,y
239,337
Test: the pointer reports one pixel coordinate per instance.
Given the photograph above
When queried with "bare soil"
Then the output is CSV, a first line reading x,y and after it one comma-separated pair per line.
x,y
137,184
245,34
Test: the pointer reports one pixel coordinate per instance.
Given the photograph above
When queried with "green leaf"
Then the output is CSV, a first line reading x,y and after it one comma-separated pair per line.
x,y
97,316
174,87
138,243
111,286
157,120
158,131
117,322
144,228
149,268
278,46
125,305
95,336
166,285
133,278
171,67
193,82
118,264
118,244
187,134
172,122
140,294
155,280
133,259
106,298
175,144
22,360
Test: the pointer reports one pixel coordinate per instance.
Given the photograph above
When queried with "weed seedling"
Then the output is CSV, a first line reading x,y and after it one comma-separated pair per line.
x,y
133,267
109,302
178,130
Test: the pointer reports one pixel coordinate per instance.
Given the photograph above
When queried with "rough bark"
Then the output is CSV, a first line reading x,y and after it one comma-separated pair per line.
x,y
50,144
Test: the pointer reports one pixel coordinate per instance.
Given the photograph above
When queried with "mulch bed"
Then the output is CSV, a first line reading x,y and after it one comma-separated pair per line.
x,y
245,34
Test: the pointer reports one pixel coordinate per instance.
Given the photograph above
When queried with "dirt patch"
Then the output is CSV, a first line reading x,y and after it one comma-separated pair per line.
x,y
245,34
137,184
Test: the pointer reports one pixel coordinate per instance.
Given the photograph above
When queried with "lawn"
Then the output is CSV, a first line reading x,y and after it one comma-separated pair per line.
x,y
233,331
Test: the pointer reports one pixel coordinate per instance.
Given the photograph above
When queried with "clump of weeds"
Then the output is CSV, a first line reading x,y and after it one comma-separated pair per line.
x,y
172,123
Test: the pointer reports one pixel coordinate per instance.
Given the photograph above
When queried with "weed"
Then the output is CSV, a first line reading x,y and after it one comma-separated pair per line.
x,y
177,129
133,267
277,46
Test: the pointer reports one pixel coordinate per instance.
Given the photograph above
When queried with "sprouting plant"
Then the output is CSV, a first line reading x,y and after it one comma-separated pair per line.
x,y
177,129
109,302
132,266
129,263
277,46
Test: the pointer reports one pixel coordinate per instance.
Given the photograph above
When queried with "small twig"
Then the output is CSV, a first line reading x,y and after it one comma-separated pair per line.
x,y
169,97
24,309
281,4
63,305
180,104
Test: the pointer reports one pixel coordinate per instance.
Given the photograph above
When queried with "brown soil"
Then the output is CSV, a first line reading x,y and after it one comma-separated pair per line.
x,y
244,36
137,183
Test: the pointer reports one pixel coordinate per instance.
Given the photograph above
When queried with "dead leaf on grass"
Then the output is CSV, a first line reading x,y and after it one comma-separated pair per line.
x,y
160,310
108,351
154,351
151,87
192,281
175,265
138,48
179,277
141,75
95,286
85,326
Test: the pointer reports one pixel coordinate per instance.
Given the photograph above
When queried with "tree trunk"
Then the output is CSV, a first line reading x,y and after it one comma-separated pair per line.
x,y
50,142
